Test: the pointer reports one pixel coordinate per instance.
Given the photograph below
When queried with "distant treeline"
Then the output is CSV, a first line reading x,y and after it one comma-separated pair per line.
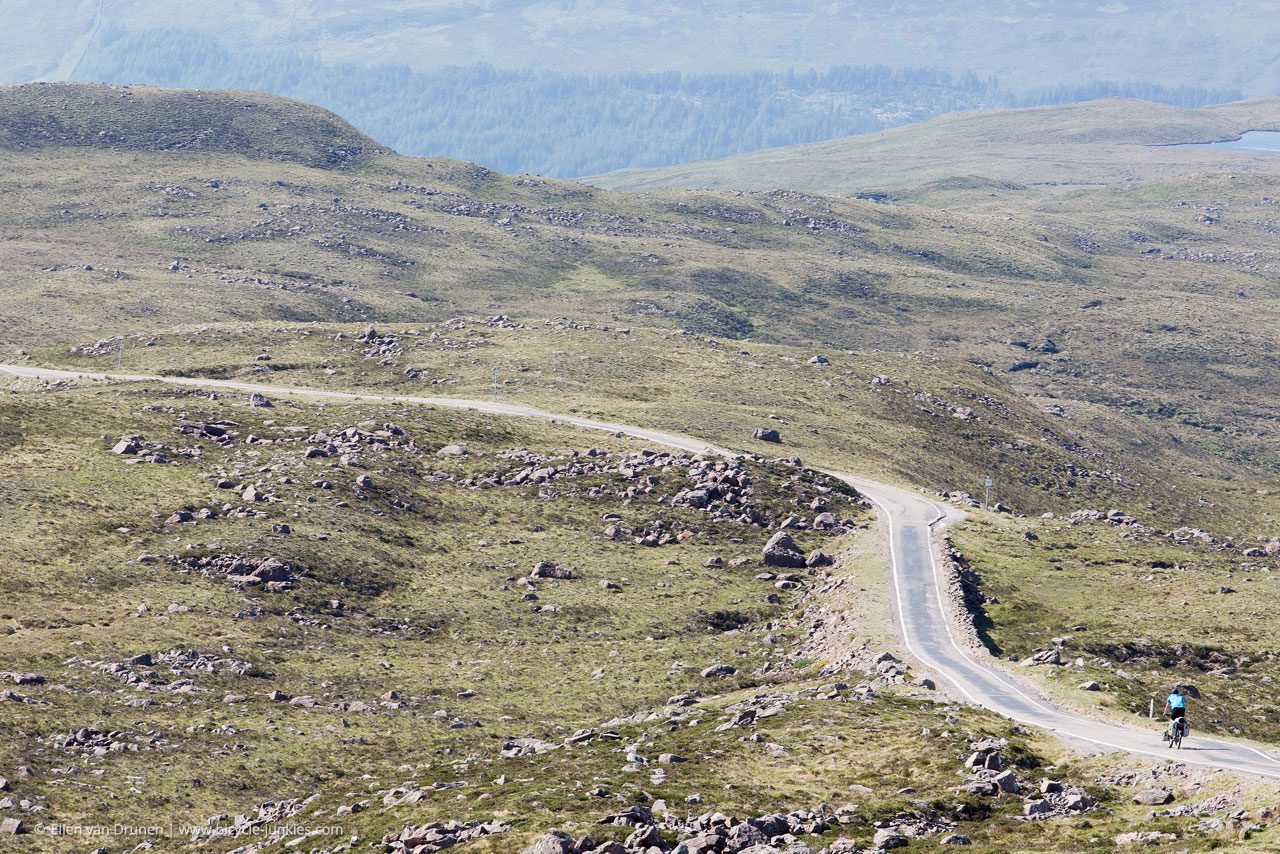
x,y
570,125
1179,96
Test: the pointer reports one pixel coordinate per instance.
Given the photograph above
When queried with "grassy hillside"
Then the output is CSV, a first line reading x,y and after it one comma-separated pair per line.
x,y
405,656
406,666
1135,609
1147,305
1097,142
141,118
914,419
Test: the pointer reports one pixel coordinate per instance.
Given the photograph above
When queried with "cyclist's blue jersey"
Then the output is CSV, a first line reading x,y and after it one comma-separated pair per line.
x,y
1177,701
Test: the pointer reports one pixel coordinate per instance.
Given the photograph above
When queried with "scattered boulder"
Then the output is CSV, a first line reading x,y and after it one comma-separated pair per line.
x,y
550,569
719,671
825,521
887,839
1048,656
127,445
1008,782
1037,807
1153,797
818,559
768,434
260,400
782,551
1144,837
644,838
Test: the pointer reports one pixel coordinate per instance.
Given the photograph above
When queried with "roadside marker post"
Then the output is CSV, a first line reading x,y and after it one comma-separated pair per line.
x,y
986,503
496,371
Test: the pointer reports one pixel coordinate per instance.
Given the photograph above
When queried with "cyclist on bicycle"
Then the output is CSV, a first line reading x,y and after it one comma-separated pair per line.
x,y
1176,708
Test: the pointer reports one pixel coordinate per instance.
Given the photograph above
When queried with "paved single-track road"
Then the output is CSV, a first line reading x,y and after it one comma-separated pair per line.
x,y
910,520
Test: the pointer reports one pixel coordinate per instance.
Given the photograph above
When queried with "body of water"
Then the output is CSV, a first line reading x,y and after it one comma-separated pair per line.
x,y
1254,140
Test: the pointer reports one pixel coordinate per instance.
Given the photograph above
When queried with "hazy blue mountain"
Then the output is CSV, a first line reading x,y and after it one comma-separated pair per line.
x,y
571,125
573,89
1027,43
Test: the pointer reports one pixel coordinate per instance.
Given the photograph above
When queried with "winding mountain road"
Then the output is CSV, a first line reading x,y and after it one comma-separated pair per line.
x,y
910,520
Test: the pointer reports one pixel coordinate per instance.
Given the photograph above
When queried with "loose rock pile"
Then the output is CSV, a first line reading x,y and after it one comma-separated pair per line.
x,y
722,489
991,778
247,825
141,670
240,569
219,431
101,347
384,348
348,443
717,833
1184,536
92,742
139,450
437,836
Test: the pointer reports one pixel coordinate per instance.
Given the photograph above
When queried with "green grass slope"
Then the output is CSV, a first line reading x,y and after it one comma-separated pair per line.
x,y
409,669
1150,304
909,418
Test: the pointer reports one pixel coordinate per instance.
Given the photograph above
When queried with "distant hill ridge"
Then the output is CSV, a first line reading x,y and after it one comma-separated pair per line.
x,y
1095,142
142,118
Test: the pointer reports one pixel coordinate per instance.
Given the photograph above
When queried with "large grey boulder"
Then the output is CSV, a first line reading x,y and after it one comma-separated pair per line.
x,y
555,842
781,550
1153,797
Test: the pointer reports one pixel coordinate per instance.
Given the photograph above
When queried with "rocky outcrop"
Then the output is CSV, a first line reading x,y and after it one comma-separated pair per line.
x,y
440,835
241,569
991,776
717,833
